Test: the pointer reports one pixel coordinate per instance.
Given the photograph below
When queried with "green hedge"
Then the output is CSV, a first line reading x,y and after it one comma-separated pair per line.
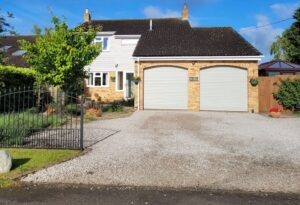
x,y
289,94
12,77
11,80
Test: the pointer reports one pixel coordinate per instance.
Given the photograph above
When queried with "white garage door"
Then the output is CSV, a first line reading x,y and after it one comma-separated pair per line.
x,y
166,88
223,89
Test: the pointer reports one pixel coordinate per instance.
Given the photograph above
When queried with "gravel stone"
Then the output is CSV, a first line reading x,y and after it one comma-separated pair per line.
x,y
214,150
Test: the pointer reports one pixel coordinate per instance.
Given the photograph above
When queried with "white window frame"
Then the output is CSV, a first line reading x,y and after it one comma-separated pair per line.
x,y
101,41
101,75
117,80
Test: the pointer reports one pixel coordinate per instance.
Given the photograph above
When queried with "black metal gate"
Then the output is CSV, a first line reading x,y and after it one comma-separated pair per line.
x,y
41,118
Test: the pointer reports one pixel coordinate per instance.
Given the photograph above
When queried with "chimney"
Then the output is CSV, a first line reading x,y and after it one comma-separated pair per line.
x,y
87,16
151,25
185,12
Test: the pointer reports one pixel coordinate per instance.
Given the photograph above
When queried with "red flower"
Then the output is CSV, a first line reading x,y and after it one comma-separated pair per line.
x,y
274,109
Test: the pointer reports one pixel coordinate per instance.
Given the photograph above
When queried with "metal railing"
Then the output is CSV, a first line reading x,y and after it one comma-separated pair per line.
x,y
40,118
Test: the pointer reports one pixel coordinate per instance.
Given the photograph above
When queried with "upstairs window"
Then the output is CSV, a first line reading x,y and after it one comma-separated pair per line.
x,y
98,79
104,41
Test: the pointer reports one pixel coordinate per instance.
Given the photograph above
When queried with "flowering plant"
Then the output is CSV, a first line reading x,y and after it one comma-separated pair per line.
x,y
275,110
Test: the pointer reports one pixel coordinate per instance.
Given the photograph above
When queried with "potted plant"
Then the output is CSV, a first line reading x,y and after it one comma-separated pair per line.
x,y
275,112
137,80
113,79
254,82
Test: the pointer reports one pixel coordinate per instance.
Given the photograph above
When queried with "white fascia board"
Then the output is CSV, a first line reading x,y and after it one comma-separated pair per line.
x,y
201,58
106,33
127,36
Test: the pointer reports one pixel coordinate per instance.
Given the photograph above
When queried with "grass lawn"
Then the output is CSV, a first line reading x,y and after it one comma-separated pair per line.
x,y
27,160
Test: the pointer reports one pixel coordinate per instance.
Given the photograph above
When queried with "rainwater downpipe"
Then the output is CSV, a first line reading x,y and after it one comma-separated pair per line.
x,y
138,84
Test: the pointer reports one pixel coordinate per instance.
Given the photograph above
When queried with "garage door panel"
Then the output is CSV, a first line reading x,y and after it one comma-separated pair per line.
x,y
223,89
165,88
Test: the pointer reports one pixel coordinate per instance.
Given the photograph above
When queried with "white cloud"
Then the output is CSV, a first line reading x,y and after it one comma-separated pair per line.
x,y
155,12
262,38
284,10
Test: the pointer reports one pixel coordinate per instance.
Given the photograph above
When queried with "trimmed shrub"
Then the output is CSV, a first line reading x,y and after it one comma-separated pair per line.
x,y
289,94
13,81
73,109
13,77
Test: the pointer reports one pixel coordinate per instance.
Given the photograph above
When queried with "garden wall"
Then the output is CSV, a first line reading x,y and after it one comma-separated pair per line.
x,y
268,86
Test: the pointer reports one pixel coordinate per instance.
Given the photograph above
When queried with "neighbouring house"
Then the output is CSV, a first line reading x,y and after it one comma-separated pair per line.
x,y
278,67
179,67
14,54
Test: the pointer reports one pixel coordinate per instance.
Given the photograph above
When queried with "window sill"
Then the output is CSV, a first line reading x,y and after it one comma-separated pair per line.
x,y
90,86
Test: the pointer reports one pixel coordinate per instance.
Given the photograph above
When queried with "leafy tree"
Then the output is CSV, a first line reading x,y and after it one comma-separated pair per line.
x,y
59,55
287,46
5,29
289,94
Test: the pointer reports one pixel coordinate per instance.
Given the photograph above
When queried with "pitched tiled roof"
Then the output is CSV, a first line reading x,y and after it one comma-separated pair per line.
x,y
218,41
175,37
12,42
133,26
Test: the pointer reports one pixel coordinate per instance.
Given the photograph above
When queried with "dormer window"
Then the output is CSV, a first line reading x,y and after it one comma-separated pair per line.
x,y
104,41
19,53
5,48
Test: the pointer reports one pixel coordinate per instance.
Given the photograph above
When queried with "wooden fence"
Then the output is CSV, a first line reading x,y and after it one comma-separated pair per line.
x,y
267,87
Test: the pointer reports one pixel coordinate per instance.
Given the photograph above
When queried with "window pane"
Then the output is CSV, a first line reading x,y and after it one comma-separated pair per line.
x,y
91,79
97,81
105,44
19,53
120,80
98,39
274,73
105,76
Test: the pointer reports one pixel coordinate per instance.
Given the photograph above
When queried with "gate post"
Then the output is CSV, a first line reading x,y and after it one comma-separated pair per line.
x,y
81,122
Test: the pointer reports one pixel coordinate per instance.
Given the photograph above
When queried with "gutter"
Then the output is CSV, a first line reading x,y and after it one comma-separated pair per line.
x,y
200,58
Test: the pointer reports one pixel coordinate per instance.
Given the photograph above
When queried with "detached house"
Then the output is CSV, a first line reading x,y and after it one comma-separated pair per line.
x,y
179,67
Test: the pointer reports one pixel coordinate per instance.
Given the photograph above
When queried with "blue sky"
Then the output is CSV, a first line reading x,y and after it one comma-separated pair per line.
x,y
242,15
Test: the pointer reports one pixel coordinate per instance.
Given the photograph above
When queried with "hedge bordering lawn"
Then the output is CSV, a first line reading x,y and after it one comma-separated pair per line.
x,y
13,77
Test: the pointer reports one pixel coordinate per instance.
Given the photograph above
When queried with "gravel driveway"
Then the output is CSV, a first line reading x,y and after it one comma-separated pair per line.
x,y
232,151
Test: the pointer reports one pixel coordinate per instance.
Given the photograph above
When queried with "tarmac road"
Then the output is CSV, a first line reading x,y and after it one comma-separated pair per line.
x,y
59,194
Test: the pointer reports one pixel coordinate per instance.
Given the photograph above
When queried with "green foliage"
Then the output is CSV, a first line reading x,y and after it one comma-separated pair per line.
x,y
59,56
12,77
287,46
289,94
129,102
15,127
116,106
73,109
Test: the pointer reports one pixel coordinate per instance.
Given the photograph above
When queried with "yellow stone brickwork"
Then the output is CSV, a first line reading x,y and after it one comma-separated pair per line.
x,y
194,68
107,94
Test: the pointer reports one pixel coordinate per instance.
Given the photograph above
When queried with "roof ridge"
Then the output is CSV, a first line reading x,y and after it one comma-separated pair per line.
x,y
133,19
